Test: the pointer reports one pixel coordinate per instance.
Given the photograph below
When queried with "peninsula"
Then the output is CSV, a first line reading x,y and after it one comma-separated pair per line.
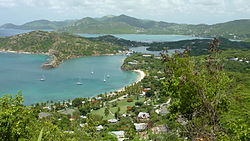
x,y
60,46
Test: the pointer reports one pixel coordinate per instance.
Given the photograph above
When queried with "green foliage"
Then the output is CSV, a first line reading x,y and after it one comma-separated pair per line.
x,y
14,118
60,46
198,90
40,135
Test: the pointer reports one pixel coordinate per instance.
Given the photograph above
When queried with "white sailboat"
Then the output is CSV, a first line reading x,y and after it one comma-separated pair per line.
x,y
108,75
42,78
79,82
104,80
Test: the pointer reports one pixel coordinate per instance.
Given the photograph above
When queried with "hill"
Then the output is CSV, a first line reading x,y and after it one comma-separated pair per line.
x,y
238,29
60,46
38,24
123,24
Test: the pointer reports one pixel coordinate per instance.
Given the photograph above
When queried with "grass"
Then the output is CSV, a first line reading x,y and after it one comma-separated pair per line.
x,y
123,107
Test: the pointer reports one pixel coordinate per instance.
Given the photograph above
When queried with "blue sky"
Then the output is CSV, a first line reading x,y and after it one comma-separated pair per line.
x,y
179,11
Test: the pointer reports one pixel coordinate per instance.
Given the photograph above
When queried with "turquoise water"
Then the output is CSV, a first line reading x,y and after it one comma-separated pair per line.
x,y
23,72
147,38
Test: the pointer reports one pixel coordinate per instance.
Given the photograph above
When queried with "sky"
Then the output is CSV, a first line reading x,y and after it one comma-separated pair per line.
x,y
177,11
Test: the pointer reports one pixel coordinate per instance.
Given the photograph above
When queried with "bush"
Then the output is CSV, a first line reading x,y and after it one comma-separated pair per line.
x,y
138,103
130,100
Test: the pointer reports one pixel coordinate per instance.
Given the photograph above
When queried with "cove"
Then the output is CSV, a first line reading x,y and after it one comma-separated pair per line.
x,y
22,72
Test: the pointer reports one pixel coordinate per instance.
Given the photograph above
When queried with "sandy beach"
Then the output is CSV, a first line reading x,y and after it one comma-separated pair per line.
x,y
141,75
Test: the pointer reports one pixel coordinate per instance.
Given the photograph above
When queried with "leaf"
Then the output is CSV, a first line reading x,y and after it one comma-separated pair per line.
x,y
40,135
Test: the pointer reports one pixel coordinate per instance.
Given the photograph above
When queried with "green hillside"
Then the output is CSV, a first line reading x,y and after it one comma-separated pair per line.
x,y
39,24
61,46
238,29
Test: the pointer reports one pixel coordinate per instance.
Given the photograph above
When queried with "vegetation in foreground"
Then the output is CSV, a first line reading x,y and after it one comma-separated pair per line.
x,y
182,98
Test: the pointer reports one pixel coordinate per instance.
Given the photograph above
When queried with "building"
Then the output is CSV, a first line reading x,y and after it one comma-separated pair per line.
x,y
118,134
43,115
140,126
143,115
99,128
112,120
146,55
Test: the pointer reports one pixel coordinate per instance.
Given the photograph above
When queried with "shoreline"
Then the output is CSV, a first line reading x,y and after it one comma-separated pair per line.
x,y
141,76
22,52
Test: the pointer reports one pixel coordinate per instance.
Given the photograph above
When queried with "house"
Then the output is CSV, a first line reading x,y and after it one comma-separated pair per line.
x,y
47,107
161,129
163,111
83,117
143,115
69,132
132,63
112,120
146,55
118,134
140,126
234,59
99,128
82,124
43,115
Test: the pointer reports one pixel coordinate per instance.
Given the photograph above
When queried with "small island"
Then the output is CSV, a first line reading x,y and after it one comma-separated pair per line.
x,y
60,46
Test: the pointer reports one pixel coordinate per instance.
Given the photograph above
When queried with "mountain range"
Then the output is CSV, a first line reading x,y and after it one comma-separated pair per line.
x,y
123,24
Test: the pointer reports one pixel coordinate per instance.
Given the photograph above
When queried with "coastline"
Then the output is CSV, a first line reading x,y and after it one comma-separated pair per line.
x,y
141,76
21,52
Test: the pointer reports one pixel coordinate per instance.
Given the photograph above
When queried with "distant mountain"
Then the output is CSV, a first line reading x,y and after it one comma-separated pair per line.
x,y
238,29
39,24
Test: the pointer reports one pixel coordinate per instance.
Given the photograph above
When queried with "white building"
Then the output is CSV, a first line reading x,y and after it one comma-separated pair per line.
x,y
140,126
112,120
143,115
99,128
118,134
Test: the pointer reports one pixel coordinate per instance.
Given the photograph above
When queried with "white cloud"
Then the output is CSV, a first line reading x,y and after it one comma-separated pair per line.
x,y
7,3
151,9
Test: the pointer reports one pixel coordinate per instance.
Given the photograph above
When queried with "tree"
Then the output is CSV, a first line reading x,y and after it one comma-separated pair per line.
x,y
14,118
77,102
198,91
106,111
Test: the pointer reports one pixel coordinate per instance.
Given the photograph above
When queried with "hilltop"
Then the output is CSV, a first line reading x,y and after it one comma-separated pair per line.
x,y
123,24
60,46
38,24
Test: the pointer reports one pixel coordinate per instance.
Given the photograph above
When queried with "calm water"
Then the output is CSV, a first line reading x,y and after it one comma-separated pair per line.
x,y
147,38
23,72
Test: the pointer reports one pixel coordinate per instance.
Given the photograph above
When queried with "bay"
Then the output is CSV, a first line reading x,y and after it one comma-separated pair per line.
x,y
22,72
147,37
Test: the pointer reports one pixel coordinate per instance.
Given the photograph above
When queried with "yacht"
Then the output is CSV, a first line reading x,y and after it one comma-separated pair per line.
x,y
42,78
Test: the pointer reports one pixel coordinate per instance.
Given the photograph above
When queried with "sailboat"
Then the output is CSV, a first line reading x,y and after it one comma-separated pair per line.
x,y
79,82
42,78
108,75
104,80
